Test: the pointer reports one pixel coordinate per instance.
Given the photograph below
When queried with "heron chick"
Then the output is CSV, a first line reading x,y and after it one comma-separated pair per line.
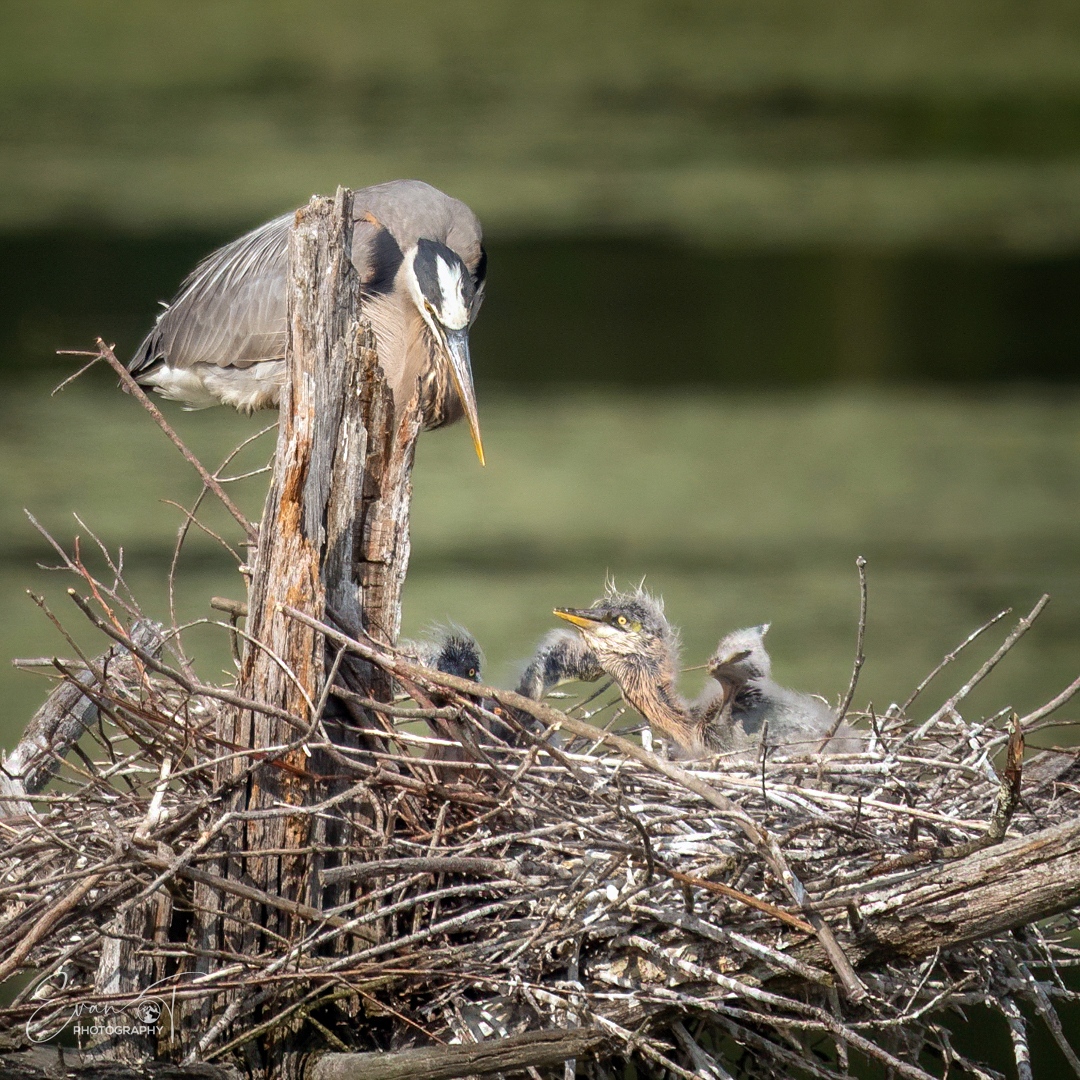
x,y
449,649
797,721
562,656
635,644
420,264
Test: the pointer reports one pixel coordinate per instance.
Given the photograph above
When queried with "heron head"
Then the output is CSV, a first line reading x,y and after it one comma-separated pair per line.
x,y
625,628
742,656
459,654
448,300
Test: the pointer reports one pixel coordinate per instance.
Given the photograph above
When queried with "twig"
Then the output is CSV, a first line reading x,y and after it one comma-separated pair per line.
x,y
950,657
780,961
192,687
238,609
1005,804
47,922
721,889
1018,631
536,1048
1045,1008
136,391
860,657
193,520
1018,1034
1051,706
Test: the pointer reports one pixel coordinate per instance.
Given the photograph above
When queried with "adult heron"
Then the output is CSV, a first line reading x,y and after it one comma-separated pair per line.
x,y
421,264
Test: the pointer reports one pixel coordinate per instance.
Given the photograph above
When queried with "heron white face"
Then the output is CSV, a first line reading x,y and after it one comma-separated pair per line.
x,y
441,287
443,291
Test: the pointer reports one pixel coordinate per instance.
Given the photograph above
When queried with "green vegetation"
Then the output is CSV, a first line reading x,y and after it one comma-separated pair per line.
x,y
739,508
777,122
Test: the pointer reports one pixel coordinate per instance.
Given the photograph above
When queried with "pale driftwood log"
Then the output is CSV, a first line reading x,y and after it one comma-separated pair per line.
x,y
534,1049
60,722
989,892
50,1063
516,1053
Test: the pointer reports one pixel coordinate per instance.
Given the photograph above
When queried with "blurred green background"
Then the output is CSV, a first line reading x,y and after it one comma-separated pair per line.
x,y
773,284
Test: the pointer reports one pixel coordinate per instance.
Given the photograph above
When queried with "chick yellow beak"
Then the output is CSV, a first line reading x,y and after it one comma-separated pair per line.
x,y
580,617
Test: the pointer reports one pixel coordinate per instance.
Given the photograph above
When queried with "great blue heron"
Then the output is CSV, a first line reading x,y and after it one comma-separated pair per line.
x,y
560,657
449,649
421,265
743,668
453,650
636,645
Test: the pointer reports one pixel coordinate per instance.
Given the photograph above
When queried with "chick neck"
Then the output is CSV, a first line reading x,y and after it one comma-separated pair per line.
x,y
648,684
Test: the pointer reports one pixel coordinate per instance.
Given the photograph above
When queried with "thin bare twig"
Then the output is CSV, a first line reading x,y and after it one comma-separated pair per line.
x,y
860,657
1018,631
1066,695
950,657
127,379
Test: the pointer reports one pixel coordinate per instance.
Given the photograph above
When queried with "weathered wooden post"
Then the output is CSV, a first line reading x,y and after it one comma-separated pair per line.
x,y
334,543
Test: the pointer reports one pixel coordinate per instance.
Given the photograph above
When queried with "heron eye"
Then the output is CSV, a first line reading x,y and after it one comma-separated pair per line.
x,y
472,673
622,620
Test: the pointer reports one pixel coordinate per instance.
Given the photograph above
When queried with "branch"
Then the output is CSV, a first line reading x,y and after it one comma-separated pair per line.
x,y
860,657
534,1049
127,380
66,713
990,892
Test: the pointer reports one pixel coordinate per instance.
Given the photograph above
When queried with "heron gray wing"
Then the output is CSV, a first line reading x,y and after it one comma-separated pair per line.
x,y
230,309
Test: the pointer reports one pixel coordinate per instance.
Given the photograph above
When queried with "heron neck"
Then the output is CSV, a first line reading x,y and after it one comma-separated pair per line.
x,y
653,692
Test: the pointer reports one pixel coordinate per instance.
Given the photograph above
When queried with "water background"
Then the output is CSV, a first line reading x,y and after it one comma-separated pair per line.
x,y
738,506
772,285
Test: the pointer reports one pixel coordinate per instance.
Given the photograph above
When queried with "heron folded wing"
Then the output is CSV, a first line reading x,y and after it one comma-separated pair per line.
x,y
230,308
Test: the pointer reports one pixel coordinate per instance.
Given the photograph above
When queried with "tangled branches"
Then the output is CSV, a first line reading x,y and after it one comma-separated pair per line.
x,y
459,890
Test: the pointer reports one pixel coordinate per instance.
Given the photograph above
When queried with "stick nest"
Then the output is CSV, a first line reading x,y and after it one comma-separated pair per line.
x,y
456,890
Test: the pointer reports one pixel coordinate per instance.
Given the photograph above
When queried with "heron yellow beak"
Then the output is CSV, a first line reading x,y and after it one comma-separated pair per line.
x,y
457,350
580,617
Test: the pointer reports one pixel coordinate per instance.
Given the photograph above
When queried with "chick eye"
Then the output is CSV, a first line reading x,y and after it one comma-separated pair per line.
x,y
472,673
621,620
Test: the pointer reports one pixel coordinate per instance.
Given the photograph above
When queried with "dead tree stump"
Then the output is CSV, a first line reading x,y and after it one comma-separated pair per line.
x,y
334,544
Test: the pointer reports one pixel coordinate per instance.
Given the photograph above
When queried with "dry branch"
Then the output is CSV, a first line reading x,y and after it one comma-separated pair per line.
x,y
62,720
987,893
517,1052
127,380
